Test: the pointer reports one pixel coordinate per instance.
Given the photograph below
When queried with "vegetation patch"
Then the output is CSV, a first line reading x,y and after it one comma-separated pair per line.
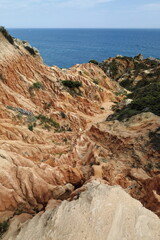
x,y
47,121
62,114
3,227
73,87
71,84
6,35
30,127
37,85
125,58
93,61
127,83
145,99
96,81
140,66
126,113
30,50
113,67
155,139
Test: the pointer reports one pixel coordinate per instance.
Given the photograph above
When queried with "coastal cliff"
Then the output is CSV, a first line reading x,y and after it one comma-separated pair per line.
x,y
54,139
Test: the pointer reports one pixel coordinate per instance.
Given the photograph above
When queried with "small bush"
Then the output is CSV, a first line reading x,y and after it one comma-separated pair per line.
x,y
6,35
155,139
30,127
127,83
3,227
93,61
47,126
113,67
140,66
37,86
126,113
96,81
47,121
71,84
63,115
30,50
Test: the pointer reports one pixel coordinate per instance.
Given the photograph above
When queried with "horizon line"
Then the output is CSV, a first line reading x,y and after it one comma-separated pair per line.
x,y
77,28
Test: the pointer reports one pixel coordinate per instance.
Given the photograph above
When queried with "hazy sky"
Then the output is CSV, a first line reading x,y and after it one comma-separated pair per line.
x,y
80,13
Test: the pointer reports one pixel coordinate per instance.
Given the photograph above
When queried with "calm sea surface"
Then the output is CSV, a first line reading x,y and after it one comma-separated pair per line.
x,y
66,47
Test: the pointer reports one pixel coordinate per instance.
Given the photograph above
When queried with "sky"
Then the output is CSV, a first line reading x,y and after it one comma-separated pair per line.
x,y
80,13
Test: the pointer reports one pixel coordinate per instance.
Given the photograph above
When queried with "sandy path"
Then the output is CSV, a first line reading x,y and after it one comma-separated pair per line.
x,y
100,117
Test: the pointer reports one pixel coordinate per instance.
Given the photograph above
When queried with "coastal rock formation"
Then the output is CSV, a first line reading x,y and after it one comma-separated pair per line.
x,y
54,138
126,156
101,212
41,120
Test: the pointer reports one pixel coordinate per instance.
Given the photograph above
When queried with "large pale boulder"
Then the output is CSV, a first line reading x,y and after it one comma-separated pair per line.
x,y
101,212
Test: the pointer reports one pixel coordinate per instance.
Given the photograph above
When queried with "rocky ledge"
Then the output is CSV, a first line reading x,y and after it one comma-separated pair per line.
x,y
100,212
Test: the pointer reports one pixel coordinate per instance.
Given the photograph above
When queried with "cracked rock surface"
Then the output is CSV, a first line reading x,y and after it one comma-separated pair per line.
x,y
101,212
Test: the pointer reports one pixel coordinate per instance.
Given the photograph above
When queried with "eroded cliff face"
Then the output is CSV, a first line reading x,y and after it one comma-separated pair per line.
x,y
54,138
42,120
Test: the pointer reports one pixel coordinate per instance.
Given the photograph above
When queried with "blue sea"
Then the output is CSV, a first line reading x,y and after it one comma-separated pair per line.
x,y
67,47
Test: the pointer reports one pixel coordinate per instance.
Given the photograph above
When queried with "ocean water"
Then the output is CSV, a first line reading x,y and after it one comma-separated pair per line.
x,y
67,47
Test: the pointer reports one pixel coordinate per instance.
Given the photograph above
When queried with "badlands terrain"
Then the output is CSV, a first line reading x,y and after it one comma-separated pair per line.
x,y
79,147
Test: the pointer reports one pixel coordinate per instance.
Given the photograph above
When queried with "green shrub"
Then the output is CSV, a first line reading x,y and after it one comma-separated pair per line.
x,y
113,67
6,35
30,50
71,84
155,139
145,99
45,120
142,83
126,113
63,115
30,127
47,126
96,81
127,83
3,227
93,61
37,86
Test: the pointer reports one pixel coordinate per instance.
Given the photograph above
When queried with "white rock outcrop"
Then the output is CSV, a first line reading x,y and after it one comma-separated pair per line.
x,y
100,213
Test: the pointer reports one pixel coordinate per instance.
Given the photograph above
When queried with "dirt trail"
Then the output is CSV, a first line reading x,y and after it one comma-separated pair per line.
x,y
100,117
